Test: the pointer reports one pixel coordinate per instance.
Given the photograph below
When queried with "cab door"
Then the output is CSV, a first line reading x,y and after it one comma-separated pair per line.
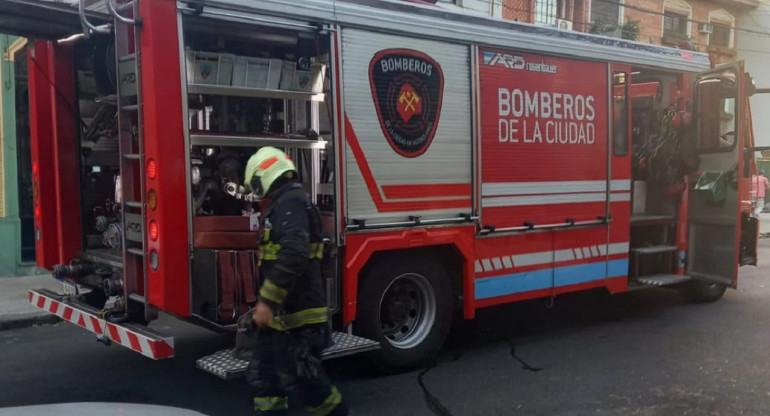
x,y
619,186
719,110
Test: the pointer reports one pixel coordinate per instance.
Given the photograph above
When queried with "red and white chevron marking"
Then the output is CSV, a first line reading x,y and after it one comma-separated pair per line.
x,y
153,347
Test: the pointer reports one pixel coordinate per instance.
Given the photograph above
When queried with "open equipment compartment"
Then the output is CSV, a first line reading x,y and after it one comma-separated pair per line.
x,y
250,85
662,154
96,237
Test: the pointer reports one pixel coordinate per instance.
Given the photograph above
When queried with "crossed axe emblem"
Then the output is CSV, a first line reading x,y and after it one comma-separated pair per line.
x,y
409,99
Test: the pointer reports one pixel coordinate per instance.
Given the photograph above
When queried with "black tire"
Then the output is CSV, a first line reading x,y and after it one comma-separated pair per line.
x,y
702,292
385,291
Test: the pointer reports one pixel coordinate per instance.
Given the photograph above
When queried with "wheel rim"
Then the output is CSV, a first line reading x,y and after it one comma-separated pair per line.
x,y
407,310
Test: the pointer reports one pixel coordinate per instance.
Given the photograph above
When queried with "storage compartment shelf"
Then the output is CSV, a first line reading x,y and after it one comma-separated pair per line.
x,y
254,141
252,92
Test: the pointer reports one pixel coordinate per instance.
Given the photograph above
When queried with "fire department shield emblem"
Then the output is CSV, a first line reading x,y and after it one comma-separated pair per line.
x,y
407,88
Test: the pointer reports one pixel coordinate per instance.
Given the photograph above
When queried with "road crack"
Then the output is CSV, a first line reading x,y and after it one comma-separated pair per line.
x,y
524,364
431,401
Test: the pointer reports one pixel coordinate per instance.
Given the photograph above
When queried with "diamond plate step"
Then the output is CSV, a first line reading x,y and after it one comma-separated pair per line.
x,y
663,279
225,366
347,344
653,249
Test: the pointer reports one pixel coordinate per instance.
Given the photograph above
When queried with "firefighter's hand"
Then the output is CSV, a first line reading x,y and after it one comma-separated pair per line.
x,y
262,315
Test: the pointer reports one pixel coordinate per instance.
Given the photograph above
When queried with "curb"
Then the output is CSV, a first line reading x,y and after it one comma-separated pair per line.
x,y
27,320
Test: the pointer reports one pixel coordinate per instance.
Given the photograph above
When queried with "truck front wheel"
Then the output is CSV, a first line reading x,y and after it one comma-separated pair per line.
x,y
406,305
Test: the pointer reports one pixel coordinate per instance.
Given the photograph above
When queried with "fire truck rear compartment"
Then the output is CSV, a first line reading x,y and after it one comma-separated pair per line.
x,y
247,86
250,86
277,93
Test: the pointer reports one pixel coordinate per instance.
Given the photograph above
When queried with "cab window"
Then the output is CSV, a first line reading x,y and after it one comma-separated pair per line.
x,y
716,111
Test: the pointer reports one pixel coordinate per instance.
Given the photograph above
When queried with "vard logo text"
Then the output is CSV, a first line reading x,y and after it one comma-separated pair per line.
x,y
516,62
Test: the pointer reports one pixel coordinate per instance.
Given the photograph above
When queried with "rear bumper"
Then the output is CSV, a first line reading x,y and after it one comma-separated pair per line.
x,y
137,338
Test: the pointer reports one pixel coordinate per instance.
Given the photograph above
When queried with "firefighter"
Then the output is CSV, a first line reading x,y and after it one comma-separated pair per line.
x,y
291,317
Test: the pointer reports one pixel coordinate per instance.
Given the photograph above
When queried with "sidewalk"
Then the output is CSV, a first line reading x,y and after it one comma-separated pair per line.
x,y
764,224
15,310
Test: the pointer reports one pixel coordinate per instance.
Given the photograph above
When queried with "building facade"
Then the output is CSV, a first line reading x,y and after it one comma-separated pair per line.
x,y
705,25
492,8
754,49
565,14
17,245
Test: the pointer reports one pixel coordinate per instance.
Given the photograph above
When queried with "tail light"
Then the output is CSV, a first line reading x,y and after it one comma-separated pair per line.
x,y
152,169
153,230
152,199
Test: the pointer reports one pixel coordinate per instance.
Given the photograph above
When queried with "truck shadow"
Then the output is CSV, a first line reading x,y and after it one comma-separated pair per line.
x,y
537,320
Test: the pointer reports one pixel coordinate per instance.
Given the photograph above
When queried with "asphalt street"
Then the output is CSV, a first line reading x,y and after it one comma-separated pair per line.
x,y
641,353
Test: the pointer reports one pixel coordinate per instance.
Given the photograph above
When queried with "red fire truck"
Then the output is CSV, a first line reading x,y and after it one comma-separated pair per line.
x,y
460,162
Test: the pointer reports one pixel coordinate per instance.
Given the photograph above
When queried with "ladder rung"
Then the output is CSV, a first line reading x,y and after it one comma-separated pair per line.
x,y
135,251
132,107
132,156
126,58
134,204
107,99
125,6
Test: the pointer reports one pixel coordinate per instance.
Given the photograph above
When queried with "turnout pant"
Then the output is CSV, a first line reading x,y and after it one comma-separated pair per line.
x,y
290,362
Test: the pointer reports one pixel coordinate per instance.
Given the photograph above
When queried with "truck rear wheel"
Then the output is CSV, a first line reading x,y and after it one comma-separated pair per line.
x,y
406,305
702,292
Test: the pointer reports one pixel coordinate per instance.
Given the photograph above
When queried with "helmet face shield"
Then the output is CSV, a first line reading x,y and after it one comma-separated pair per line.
x,y
264,168
256,186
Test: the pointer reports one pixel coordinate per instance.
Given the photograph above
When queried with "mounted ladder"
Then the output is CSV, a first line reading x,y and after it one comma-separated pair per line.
x,y
132,160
